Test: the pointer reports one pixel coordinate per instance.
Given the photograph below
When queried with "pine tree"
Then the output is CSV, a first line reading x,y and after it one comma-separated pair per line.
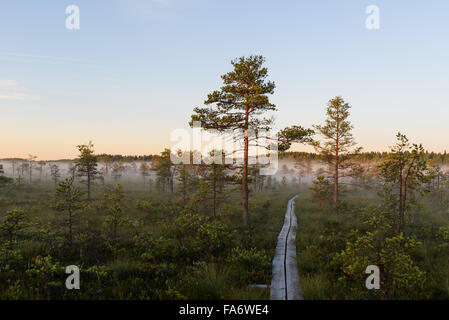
x,y
165,170
406,167
68,200
144,169
55,173
185,183
117,170
3,179
239,106
86,165
13,224
113,201
338,145
31,159
320,188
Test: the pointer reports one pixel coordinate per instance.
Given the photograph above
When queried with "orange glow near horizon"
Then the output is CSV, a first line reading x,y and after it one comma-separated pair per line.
x,y
60,150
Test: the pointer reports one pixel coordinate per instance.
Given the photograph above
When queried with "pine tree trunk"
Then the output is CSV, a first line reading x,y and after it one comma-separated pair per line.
x,y
88,185
215,197
404,201
246,219
184,193
70,231
337,164
399,220
336,175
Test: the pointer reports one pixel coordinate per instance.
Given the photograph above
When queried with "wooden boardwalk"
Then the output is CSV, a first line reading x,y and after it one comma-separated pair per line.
x,y
285,278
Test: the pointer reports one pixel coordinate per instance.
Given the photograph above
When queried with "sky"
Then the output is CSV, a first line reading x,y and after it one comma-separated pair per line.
x,y
135,69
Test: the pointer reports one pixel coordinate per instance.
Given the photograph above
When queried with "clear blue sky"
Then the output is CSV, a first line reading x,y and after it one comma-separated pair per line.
x,y
136,68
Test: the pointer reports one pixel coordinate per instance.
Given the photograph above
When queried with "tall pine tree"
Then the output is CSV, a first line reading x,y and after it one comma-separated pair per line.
x,y
86,165
240,106
338,145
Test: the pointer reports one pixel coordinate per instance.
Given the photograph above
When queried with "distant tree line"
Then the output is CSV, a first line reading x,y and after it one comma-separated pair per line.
x,y
118,157
442,158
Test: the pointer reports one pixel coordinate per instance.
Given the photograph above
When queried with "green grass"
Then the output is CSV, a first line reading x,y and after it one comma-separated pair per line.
x,y
145,263
322,233
151,263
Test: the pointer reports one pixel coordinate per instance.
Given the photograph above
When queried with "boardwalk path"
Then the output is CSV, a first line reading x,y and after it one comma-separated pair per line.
x,y
285,282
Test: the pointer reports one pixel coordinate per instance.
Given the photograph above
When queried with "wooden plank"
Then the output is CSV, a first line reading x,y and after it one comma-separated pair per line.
x,y
285,283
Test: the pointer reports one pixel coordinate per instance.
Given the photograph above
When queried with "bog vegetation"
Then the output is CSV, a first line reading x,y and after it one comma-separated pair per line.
x,y
146,228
